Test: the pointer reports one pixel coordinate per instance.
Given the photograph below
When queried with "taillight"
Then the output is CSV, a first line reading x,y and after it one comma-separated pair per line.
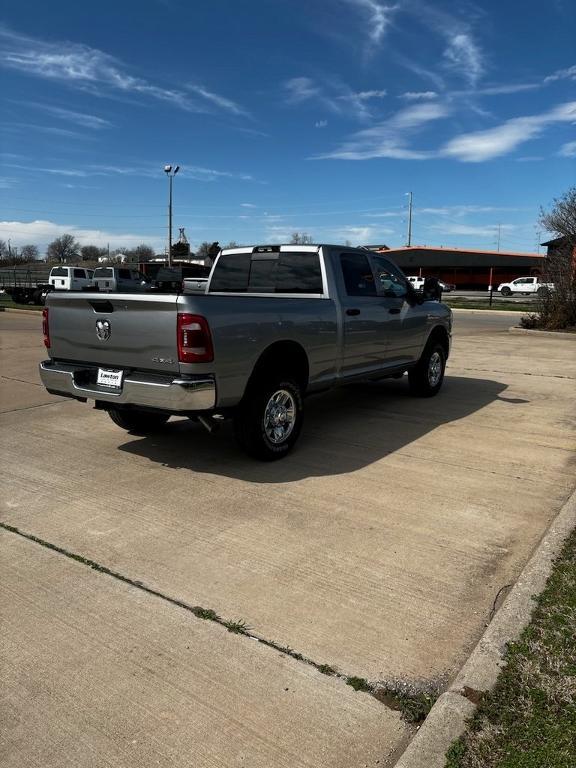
x,y
46,328
194,339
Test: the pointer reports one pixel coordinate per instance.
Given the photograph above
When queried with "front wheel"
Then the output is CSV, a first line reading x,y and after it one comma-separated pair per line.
x,y
427,376
139,422
268,421
506,291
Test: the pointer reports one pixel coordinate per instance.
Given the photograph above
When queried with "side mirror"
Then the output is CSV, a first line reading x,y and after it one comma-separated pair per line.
x,y
431,290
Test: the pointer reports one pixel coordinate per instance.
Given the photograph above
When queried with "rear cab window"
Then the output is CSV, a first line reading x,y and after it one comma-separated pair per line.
x,y
103,272
59,272
275,272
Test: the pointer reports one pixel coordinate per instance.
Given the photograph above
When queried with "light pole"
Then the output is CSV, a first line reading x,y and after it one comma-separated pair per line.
x,y
409,238
170,172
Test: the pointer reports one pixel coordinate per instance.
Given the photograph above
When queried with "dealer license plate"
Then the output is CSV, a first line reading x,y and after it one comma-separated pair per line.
x,y
109,378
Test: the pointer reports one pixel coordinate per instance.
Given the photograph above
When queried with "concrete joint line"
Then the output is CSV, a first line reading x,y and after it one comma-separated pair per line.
x,y
447,718
413,707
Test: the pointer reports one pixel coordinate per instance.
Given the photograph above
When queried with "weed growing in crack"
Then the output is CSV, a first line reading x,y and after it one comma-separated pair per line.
x,y
326,669
359,683
237,627
205,613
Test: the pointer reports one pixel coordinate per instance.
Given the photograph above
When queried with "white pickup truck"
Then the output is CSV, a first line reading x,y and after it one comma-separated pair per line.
x,y
525,285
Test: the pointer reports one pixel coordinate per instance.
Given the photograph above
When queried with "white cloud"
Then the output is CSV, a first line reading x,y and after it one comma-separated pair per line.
x,y
472,231
418,95
83,119
332,94
366,95
83,67
220,101
301,89
562,74
379,17
494,142
465,57
248,205
42,232
568,149
152,171
388,138
321,124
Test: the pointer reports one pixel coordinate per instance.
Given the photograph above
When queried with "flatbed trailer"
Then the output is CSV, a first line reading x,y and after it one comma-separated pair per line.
x,y
25,284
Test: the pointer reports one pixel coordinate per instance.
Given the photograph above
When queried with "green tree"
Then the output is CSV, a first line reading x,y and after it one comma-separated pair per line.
x,y
64,248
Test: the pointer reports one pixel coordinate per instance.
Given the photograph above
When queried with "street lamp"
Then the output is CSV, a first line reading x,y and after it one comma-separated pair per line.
x,y
170,172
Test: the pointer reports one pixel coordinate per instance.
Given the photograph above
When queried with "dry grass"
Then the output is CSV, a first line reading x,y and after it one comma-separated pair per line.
x,y
529,720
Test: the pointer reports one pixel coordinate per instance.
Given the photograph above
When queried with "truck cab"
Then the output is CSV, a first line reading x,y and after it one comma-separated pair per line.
x,y
69,278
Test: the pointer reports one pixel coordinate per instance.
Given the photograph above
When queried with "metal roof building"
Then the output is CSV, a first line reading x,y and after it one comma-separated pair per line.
x,y
464,267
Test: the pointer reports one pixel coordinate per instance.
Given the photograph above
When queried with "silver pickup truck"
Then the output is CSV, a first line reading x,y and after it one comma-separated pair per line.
x,y
275,323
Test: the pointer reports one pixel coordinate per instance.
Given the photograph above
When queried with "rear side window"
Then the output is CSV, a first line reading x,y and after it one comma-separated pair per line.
x,y
285,273
103,272
59,272
79,273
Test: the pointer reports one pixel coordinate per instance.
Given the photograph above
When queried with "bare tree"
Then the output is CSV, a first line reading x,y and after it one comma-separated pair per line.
x,y
29,252
4,252
556,307
92,252
64,248
300,238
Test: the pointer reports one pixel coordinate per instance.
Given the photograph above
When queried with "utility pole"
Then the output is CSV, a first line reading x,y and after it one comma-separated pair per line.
x,y
538,237
170,173
409,237
498,241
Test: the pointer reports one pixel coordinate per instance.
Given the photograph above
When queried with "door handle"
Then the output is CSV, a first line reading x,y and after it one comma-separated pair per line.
x,y
395,311
352,312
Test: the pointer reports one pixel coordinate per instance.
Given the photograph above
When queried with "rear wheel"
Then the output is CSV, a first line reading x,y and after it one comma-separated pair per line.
x,y
427,377
140,422
268,421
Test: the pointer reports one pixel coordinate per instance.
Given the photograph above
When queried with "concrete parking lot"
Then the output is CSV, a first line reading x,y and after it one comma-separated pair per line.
x,y
378,547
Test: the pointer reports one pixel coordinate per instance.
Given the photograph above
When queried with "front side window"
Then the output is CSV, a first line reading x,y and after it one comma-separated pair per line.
x,y
124,274
357,274
389,282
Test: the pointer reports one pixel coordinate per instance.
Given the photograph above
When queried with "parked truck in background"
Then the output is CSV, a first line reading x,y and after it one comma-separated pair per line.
x,y
532,285
275,323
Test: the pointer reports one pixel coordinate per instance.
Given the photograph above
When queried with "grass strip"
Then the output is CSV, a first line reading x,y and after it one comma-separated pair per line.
x,y
529,719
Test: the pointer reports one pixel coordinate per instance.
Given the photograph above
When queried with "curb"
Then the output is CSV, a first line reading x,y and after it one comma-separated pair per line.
x,y
21,311
514,312
536,332
447,718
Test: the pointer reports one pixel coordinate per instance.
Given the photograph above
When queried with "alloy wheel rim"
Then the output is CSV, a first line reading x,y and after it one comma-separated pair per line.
x,y
279,416
434,369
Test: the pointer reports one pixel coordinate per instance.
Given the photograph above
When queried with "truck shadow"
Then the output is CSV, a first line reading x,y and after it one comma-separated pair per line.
x,y
344,431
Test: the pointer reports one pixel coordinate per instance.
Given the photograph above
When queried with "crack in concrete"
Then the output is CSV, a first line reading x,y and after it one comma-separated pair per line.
x,y
413,706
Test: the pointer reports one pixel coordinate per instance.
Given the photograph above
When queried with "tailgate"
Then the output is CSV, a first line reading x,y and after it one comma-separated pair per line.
x,y
116,330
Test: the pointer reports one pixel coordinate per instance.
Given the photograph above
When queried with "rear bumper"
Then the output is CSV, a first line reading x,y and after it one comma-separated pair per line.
x,y
149,390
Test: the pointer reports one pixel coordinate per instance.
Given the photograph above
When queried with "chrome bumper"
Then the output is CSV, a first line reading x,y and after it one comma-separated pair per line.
x,y
145,389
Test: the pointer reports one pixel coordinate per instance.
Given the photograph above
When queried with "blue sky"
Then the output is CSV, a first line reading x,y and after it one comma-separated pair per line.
x,y
286,116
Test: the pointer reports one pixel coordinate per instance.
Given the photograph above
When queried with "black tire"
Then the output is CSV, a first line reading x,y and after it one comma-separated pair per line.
x,y
426,377
139,422
254,420
506,291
